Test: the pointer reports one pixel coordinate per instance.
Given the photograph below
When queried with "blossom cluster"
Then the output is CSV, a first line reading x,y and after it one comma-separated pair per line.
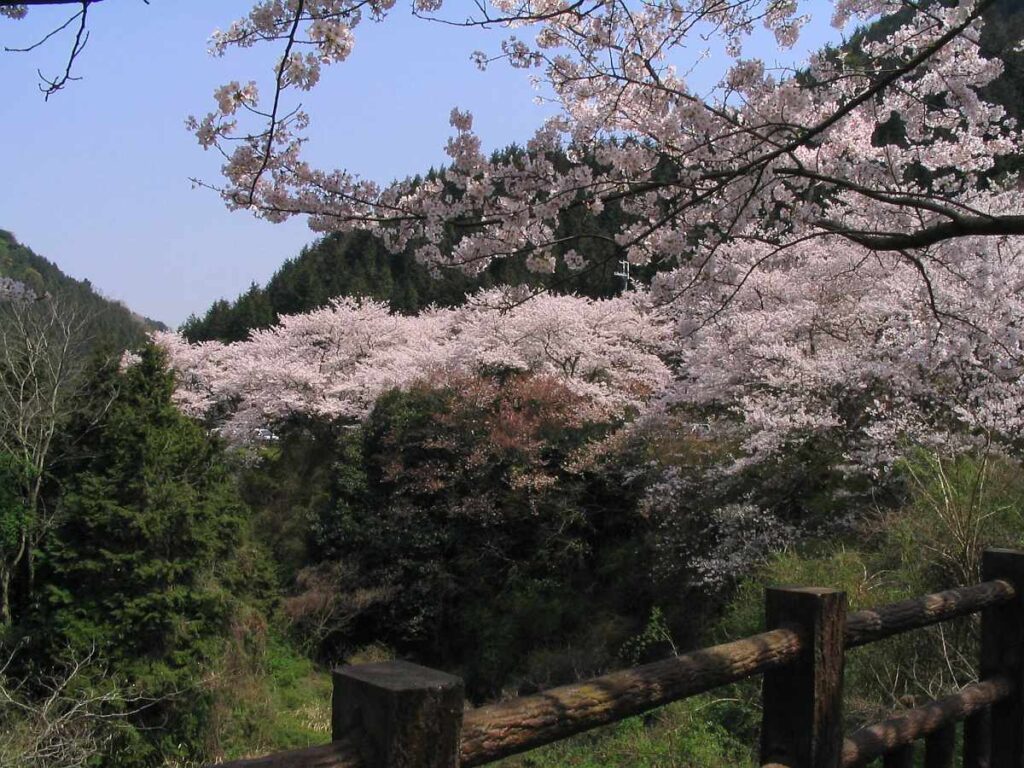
x,y
15,290
767,155
334,362
835,340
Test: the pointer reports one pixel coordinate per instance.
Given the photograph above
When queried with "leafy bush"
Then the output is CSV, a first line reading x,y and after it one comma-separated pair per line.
x,y
467,536
268,696
959,505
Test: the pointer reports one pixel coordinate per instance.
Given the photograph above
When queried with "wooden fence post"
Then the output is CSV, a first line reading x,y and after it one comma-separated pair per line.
x,y
802,718
940,747
404,715
978,740
901,757
1002,653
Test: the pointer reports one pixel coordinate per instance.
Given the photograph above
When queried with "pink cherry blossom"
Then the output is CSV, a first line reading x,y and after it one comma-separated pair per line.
x,y
334,362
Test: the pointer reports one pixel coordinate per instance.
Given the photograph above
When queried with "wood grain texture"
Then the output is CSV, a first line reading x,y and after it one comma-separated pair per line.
x,y
1002,653
405,715
338,754
515,726
940,747
876,740
978,740
902,757
869,626
802,712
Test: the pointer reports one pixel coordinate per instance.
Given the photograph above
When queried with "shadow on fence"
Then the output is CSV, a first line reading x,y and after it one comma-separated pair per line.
x,y
400,715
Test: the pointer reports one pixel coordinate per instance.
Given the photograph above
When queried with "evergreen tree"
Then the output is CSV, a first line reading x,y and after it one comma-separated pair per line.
x,y
146,567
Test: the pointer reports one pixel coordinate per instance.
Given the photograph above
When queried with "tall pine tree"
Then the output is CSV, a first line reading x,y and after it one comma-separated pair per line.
x,y
148,565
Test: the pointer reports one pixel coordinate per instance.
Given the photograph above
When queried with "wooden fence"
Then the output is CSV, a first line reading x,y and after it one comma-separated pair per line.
x,y
400,715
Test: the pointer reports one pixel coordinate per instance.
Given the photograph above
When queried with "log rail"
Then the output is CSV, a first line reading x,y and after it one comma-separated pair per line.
x,y
400,715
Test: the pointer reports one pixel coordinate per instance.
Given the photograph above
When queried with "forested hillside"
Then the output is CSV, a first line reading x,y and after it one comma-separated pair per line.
x,y
108,322
358,264
124,547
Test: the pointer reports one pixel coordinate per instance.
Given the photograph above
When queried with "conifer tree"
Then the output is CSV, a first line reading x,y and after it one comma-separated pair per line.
x,y
145,567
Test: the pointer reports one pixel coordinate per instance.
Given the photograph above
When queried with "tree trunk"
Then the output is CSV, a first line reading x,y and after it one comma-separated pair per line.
x,y
5,598
34,536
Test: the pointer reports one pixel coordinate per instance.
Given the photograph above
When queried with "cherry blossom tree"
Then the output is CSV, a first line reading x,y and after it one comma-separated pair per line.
x,y
846,246
768,156
333,363
78,22
844,239
837,339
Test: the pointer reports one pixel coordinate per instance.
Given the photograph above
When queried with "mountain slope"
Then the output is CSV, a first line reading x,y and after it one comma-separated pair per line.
x,y
358,264
110,324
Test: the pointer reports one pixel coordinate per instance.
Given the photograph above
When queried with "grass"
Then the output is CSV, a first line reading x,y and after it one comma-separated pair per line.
x,y
281,701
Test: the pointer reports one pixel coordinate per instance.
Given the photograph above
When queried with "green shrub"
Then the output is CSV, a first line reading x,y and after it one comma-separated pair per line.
x,y
956,507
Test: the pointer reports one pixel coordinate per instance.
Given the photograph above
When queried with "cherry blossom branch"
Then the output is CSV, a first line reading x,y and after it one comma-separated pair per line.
x,y
77,46
959,227
50,34
279,86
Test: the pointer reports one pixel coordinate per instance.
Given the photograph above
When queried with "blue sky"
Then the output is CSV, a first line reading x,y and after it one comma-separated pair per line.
x,y
96,179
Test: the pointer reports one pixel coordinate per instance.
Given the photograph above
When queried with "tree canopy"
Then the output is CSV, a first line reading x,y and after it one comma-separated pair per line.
x,y
838,246
512,483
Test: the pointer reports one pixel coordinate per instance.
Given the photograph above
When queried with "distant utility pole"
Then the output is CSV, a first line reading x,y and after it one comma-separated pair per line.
x,y
624,274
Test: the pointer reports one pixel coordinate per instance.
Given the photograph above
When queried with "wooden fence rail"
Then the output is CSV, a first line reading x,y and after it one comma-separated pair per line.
x,y
401,715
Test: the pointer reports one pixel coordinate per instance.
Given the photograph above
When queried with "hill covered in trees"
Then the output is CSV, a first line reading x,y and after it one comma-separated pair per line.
x,y
108,323
358,264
